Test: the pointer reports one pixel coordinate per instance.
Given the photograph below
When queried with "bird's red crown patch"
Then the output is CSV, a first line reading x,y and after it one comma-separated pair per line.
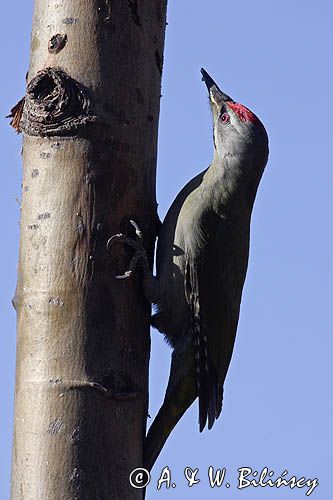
x,y
242,112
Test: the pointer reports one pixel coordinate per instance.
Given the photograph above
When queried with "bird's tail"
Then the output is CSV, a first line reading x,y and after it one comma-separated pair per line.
x,y
209,390
180,394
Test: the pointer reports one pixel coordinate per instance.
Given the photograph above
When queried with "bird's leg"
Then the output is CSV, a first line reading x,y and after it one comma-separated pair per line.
x,y
139,257
149,281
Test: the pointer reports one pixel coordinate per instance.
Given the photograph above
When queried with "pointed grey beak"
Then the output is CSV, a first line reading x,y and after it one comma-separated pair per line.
x,y
215,94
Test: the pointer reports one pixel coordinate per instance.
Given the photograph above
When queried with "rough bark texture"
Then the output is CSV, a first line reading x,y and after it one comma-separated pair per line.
x,y
90,121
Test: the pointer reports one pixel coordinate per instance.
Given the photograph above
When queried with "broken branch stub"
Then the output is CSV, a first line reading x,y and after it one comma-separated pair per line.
x,y
55,104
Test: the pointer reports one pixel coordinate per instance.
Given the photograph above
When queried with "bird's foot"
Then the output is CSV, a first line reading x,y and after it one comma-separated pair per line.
x,y
139,257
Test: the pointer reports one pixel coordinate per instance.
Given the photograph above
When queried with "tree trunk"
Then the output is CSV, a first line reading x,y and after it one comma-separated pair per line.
x,y
90,121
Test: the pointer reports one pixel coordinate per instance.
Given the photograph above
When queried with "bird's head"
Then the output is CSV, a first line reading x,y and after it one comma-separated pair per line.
x,y
237,131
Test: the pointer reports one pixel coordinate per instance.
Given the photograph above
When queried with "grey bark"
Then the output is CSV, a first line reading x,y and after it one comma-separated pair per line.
x,y
90,121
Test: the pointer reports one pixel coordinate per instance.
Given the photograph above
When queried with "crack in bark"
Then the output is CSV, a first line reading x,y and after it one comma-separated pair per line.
x,y
159,62
133,5
118,394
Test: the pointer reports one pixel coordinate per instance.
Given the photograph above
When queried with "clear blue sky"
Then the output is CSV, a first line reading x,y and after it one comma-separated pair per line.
x,y
276,58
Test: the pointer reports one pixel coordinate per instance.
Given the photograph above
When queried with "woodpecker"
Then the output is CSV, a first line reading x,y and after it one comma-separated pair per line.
x,y
201,263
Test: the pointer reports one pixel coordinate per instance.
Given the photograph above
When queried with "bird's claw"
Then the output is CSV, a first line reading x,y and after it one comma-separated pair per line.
x,y
121,237
124,276
138,231
140,253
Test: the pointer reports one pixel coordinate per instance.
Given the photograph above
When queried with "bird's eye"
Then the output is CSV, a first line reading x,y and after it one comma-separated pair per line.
x,y
225,118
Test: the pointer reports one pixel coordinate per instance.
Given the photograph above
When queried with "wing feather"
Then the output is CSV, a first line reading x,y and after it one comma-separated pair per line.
x,y
213,285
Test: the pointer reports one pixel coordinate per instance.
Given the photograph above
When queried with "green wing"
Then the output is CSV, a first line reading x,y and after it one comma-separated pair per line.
x,y
221,271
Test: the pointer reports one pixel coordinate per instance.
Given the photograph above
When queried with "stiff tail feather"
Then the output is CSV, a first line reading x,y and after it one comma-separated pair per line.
x,y
209,391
